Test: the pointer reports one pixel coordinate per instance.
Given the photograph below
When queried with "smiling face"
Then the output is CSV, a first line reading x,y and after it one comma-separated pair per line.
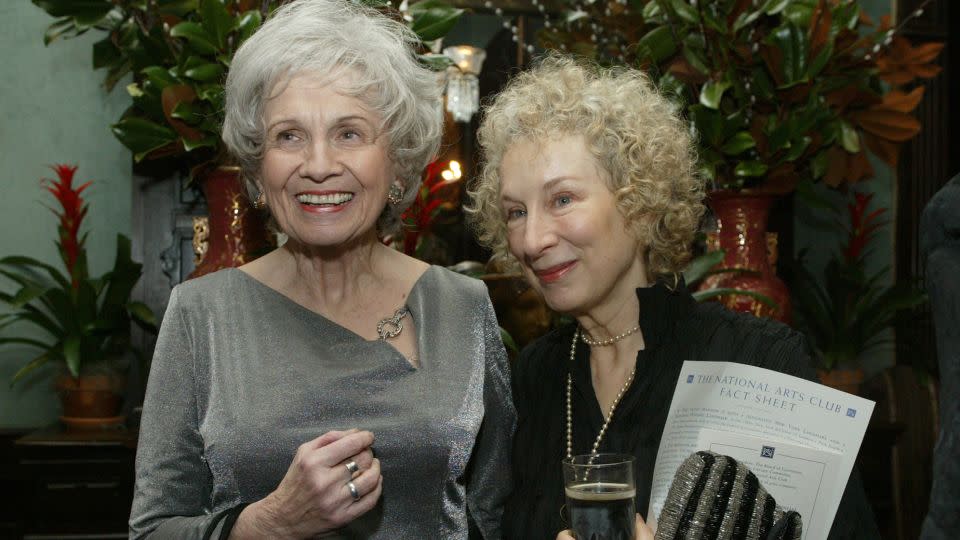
x,y
564,226
326,169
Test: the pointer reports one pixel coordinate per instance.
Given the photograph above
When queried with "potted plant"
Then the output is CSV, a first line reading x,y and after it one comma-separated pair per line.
x,y
178,52
782,93
846,313
80,322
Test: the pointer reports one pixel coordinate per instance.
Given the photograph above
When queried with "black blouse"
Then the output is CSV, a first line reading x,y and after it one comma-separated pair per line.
x,y
675,328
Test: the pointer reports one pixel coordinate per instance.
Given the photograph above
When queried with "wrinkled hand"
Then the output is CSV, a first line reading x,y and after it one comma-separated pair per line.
x,y
644,532
313,496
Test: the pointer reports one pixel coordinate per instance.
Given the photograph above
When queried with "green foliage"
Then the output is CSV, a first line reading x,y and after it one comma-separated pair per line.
x,y
845,311
704,266
178,52
778,91
82,324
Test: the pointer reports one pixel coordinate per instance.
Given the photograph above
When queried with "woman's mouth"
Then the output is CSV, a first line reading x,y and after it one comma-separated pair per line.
x,y
554,273
319,202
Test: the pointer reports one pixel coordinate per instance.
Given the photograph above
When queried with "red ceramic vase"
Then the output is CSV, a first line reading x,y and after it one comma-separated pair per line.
x,y
742,234
237,233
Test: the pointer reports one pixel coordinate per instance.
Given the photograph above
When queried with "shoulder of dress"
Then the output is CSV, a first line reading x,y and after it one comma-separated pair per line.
x,y
447,281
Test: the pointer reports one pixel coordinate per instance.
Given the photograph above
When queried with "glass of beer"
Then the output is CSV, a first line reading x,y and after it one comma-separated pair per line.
x,y
600,493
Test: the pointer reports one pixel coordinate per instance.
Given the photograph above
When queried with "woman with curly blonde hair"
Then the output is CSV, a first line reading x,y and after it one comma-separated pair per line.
x,y
589,187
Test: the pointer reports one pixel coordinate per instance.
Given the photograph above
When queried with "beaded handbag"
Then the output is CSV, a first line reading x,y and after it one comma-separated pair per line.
x,y
715,496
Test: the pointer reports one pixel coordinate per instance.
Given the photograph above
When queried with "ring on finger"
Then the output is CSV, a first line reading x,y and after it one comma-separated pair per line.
x,y
352,467
354,492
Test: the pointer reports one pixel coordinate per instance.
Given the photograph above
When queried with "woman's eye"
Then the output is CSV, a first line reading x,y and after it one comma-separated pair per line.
x,y
287,137
350,135
563,200
515,213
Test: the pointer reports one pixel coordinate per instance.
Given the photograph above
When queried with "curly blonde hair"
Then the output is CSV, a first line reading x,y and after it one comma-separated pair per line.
x,y
632,131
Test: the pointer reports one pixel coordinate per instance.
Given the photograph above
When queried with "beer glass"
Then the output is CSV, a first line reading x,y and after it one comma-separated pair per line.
x,y
600,493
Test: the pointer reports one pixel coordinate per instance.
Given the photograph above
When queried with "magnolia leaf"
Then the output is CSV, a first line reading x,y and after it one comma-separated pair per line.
x,y
435,62
745,19
712,93
216,21
898,101
248,23
195,35
60,28
83,9
190,145
820,61
849,138
657,44
204,72
179,8
685,11
695,59
749,169
142,136
738,143
708,123
433,19
652,11
31,365
158,76
797,148
792,44
772,7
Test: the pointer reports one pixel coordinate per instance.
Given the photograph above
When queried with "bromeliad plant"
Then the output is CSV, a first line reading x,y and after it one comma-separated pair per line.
x,y
437,206
83,322
178,52
846,312
779,91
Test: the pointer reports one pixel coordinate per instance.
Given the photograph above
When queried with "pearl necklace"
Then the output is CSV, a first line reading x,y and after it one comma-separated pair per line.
x,y
611,341
613,406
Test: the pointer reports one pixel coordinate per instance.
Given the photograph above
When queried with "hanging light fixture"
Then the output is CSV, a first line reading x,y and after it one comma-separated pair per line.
x,y
463,88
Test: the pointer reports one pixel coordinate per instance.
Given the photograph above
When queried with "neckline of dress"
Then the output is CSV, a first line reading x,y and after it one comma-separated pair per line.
x,y
412,295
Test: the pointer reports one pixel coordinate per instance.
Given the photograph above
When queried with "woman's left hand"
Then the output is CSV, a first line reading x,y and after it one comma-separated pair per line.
x,y
644,532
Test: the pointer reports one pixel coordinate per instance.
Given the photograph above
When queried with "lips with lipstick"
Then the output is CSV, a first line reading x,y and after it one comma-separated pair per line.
x,y
328,200
553,273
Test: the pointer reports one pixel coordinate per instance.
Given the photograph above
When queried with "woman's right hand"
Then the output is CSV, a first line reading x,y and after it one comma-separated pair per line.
x,y
313,496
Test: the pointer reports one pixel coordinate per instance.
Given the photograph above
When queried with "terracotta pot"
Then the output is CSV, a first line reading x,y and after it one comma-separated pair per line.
x,y
845,380
235,233
90,396
742,234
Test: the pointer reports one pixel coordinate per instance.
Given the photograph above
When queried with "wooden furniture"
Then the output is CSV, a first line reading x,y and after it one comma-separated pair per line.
x,y
75,484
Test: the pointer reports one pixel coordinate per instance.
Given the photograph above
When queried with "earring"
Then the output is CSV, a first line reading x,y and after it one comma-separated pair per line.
x,y
260,202
395,195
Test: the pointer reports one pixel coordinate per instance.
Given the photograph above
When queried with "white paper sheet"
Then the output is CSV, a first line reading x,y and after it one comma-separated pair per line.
x,y
737,399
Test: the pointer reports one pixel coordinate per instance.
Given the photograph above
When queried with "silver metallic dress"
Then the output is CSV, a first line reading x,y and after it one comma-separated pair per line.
x,y
243,375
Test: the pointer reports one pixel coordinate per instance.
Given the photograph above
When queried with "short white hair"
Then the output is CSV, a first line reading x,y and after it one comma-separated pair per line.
x,y
327,38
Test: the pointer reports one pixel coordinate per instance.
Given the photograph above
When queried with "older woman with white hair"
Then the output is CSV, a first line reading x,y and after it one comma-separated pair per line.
x,y
333,387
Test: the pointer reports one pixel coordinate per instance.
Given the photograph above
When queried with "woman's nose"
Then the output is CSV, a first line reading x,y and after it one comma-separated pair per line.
x,y
539,234
320,161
